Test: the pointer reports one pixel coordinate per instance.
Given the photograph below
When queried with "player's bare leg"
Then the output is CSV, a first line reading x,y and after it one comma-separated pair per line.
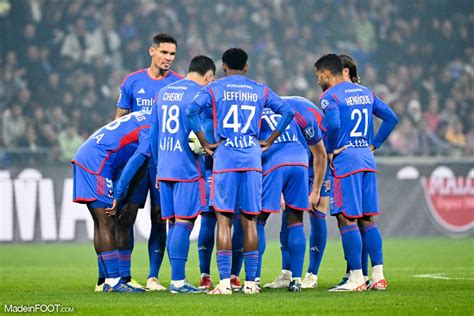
x,y
373,242
352,244
156,251
102,273
318,237
296,247
249,228
125,241
224,253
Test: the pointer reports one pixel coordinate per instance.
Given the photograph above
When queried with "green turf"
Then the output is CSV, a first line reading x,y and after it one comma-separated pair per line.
x,y
65,274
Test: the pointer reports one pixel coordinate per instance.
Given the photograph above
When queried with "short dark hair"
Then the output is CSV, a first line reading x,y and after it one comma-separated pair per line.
x,y
330,62
235,58
349,63
164,38
202,64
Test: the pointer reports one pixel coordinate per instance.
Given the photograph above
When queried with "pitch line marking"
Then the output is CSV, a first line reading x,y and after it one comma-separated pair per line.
x,y
439,276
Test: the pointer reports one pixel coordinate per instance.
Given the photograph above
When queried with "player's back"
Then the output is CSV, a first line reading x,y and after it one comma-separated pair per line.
x,y
138,89
354,104
176,161
237,105
113,144
287,150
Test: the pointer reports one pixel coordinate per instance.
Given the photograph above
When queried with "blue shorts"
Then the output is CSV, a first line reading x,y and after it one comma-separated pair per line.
x,y
141,192
237,190
183,200
288,180
88,187
355,195
208,182
325,188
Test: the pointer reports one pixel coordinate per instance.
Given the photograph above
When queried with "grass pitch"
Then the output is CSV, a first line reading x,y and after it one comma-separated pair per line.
x,y
426,276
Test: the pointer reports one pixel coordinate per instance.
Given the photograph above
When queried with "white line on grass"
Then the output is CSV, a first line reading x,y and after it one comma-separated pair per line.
x,y
439,276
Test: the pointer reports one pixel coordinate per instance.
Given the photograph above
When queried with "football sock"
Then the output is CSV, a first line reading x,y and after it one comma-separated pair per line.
x,y
373,241
179,249
206,242
262,244
111,262
285,254
237,246
377,273
352,244
156,249
102,270
251,263
365,254
125,263
224,258
317,240
296,247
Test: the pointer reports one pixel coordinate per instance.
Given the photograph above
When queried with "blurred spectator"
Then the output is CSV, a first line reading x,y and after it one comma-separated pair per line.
x,y
69,142
13,125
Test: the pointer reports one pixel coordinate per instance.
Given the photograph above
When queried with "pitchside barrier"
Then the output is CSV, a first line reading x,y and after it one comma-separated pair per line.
x,y
418,197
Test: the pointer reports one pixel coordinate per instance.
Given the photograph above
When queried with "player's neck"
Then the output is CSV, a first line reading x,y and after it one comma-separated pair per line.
x,y
196,77
233,72
156,73
335,80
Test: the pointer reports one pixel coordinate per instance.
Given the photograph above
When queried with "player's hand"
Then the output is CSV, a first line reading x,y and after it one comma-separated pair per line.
x,y
211,148
265,145
157,183
372,148
112,211
314,200
339,150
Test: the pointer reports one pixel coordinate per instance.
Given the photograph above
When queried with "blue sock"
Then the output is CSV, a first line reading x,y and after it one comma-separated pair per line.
x,y
251,263
317,240
170,233
125,257
206,241
111,262
237,246
373,242
285,254
262,244
224,257
156,249
296,247
365,254
352,244
179,249
102,268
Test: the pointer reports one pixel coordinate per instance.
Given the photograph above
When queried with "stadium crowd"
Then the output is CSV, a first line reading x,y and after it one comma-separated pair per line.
x,y
62,61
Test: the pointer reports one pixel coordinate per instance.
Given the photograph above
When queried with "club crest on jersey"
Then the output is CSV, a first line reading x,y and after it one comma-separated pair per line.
x,y
324,103
309,132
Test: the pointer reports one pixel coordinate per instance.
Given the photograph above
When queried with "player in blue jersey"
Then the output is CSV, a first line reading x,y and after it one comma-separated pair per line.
x,y
318,234
180,172
95,168
350,144
208,226
137,93
285,171
237,103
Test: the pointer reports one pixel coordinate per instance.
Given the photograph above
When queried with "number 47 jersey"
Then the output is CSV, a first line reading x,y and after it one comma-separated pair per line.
x,y
237,103
349,108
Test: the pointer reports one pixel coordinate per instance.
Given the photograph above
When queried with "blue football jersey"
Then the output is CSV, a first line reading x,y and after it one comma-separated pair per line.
x,y
176,161
138,90
110,147
350,106
237,103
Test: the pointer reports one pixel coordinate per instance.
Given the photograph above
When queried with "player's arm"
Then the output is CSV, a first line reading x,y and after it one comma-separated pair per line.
x,y
319,166
202,101
279,106
124,103
153,134
389,120
333,124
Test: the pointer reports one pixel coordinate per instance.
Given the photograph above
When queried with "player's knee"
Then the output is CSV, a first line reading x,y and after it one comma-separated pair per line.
x,y
323,205
344,221
263,217
293,216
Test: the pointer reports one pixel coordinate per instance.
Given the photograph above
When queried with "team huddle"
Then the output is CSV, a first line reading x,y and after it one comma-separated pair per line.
x,y
232,151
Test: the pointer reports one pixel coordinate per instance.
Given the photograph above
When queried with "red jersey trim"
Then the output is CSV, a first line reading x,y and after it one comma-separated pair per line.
x,y
214,111
236,170
130,74
270,211
353,172
84,200
297,208
180,180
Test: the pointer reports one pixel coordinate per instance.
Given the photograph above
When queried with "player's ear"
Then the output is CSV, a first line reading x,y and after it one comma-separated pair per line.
x,y
246,68
225,68
209,77
151,51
